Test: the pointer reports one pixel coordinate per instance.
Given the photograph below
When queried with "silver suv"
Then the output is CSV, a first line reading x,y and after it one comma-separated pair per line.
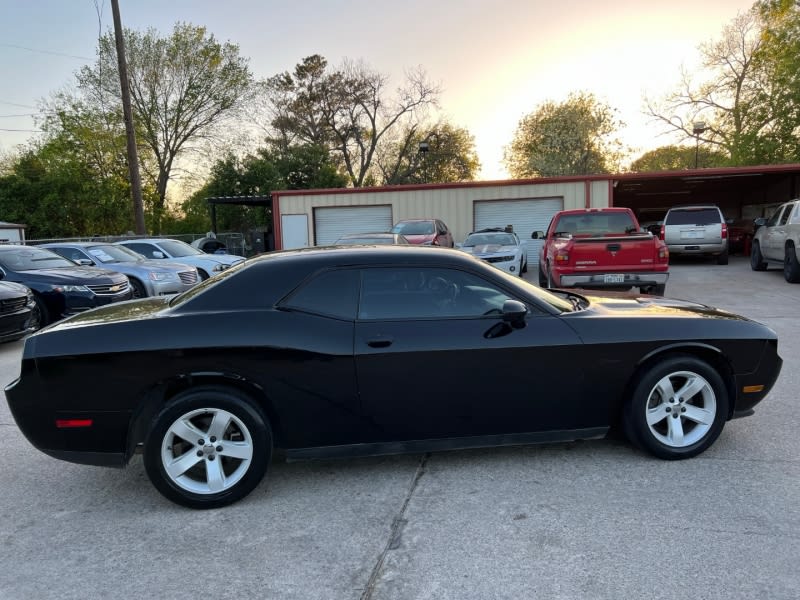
x,y
696,230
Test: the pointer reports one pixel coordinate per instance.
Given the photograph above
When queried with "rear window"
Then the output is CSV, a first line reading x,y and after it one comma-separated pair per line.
x,y
693,216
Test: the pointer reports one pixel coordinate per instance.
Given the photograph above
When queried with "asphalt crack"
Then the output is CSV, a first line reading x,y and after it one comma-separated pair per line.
x,y
396,532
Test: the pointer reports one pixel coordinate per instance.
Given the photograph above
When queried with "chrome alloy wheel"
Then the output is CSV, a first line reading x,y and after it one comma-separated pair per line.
x,y
207,451
681,409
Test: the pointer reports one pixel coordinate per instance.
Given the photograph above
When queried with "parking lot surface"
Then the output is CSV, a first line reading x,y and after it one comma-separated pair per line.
x,y
580,520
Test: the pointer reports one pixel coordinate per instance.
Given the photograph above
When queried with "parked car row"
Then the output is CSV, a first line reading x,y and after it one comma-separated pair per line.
x,y
46,283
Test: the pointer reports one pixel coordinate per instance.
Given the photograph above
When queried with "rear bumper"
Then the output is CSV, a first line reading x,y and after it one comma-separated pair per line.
x,y
689,248
601,280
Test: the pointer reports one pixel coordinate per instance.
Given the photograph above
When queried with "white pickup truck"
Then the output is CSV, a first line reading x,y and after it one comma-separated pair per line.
x,y
777,240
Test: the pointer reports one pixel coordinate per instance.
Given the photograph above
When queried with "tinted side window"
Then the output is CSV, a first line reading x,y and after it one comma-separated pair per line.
x,y
699,216
333,294
409,293
786,212
144,249
773,220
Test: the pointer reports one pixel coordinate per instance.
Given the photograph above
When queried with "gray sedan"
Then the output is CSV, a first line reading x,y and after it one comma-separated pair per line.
x,y
147,277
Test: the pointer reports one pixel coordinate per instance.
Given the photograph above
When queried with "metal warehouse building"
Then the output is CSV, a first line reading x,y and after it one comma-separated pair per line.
x,y
319,217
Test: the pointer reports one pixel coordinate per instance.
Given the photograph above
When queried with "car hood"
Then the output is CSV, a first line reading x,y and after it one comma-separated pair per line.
x,y
623,304
482,249
72,276
419,239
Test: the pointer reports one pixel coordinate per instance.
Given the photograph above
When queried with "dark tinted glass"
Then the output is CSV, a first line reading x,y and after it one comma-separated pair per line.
x,y
333,293
693,216
785,216
408,293
414,228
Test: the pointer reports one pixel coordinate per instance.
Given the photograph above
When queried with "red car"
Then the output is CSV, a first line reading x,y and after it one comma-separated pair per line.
x,y
425,232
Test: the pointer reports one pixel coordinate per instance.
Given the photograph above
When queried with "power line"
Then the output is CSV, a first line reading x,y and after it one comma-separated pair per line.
x,y
15,104
23,130
19,115
47,52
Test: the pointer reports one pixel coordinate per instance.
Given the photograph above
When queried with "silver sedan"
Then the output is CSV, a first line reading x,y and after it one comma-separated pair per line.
x,y
147,277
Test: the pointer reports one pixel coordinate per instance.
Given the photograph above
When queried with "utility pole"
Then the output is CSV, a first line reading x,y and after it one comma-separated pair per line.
x,y
133,157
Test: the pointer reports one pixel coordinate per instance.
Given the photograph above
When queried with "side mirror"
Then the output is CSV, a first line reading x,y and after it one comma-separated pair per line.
x,y
158,254
459,245
85,262
759,223
514,312
537,235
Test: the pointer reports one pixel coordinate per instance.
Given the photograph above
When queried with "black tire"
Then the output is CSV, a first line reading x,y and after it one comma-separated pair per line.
x,y
525,266
247,434
722,259
791,267
40,312
649,430
658,290
542,278
757,262
549,278
139,290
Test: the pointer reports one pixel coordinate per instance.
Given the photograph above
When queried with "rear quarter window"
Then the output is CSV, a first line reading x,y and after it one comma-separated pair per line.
x,y
695,216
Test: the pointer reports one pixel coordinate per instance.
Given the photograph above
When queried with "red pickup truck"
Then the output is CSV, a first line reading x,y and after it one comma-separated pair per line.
x,y
601,248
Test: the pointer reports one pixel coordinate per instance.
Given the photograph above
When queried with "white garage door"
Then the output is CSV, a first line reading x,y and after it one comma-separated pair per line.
x,y
526,216
332,223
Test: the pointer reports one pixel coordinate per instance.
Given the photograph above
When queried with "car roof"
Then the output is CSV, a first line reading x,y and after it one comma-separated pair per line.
x,y
75,244
694,207
149,240
416,220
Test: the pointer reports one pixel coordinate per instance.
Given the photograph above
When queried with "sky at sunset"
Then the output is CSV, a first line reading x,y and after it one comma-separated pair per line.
x,y
495,60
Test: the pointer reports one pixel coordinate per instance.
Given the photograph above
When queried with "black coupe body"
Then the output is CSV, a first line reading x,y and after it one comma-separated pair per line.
x,y
367,350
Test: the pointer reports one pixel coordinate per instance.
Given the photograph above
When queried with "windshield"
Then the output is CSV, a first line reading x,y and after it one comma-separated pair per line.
x,y
175,248
693,216
32,259
595,223
481,239
113,254
414,228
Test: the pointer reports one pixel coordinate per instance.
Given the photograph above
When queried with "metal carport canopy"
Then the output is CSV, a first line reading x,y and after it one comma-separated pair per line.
x,y
265,201
730,188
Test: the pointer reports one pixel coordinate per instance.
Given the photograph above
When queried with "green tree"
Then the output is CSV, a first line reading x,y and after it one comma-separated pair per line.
x,y
574,137
305,166
677,158
184,87
348,110
439,154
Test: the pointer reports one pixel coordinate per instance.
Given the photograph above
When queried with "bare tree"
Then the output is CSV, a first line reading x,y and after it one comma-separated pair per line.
x,y
182,88
731,100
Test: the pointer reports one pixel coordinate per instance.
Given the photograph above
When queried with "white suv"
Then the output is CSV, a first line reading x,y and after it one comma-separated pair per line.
x,y
697,229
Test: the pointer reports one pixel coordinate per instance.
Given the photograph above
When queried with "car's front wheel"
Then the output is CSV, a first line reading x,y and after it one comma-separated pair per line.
x,y
757,262
677,409
210,446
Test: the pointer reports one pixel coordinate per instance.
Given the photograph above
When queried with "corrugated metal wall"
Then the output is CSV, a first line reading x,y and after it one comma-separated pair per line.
x,y
453,205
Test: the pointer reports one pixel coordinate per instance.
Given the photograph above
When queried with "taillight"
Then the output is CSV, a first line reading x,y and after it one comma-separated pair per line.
x,y
562,257
662,234
724,231
73,423
663,254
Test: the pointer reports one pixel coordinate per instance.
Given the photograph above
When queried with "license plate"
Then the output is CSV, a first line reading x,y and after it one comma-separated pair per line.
x,y
614,279
691,235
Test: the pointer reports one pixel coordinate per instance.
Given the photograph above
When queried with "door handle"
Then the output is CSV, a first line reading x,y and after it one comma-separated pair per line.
x,y
380,342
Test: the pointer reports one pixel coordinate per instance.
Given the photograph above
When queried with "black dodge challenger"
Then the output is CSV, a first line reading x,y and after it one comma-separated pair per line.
x,y
370,350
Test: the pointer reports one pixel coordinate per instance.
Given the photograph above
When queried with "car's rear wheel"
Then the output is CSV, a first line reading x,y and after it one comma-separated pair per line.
x,y
677,409
722,259
209,447
791,267
757,262
542,278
